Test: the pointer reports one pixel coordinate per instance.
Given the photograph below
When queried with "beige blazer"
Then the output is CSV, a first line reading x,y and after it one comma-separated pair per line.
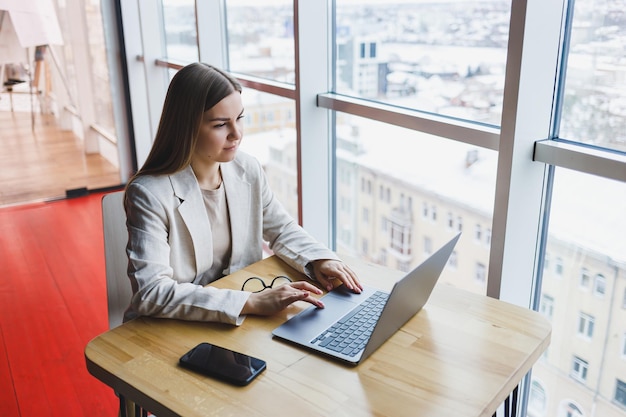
x,y
170,246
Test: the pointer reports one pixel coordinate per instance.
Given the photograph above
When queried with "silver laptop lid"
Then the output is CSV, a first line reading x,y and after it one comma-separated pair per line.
x,y
408,296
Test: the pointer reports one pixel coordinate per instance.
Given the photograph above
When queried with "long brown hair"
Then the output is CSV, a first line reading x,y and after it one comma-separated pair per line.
x,y
193,90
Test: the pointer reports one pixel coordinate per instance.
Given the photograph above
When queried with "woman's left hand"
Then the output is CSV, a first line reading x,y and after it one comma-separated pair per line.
x,y
328,269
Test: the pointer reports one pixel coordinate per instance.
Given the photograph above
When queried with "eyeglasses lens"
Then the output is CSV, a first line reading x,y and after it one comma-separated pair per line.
x,y
254,284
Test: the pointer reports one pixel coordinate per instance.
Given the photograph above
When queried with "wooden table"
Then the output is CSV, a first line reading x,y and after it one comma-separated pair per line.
x,y
462,355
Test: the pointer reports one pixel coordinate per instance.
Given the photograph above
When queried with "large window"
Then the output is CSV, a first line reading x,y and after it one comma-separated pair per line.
x,y
586,230
103,111
270,135
260,38
179,26
587,224
594,108
394,124
403,167
445,57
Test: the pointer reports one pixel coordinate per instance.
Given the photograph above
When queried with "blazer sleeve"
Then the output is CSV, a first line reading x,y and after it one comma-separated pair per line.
x,y
286,238
158,291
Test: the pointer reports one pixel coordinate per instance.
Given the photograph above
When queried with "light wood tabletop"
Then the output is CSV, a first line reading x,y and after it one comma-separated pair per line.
x,y
461,355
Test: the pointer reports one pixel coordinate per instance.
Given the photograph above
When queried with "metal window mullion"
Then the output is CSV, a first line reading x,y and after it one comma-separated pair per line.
x,y
315,153
532,64
604,163
84,79
455,129
125,139
267,86
523,186
212,36
143,48
153,39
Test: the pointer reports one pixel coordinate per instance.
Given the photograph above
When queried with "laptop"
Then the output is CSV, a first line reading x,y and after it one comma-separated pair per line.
x,y
325,329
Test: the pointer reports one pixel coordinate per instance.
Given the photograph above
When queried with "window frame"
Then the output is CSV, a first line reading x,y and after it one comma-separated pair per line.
x,y
579,374
540,395
546,307
527,145
584,279
526,53
586,325
599,285
620,387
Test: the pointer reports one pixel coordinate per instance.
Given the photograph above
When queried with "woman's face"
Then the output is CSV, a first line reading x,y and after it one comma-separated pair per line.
x,y
221,131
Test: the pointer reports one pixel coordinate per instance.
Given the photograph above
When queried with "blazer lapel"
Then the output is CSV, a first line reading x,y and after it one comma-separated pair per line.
x,y
194,215
238,196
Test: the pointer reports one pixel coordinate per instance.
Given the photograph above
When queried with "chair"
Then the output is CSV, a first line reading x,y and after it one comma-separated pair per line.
x,y
119,291
12,75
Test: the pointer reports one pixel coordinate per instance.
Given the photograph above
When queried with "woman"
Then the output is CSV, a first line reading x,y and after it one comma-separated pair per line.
x,y
199,209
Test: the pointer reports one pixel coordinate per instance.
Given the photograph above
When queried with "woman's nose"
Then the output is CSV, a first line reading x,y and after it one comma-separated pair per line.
x,y
235,133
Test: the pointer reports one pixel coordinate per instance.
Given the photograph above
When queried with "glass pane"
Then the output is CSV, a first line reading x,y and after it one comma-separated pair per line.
x,y
270,135
68,65
402,194
441,57
179,24
260,38
583,366
594,108
100,69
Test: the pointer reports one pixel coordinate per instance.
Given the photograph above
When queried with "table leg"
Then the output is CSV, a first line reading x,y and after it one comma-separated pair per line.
x,y
510,404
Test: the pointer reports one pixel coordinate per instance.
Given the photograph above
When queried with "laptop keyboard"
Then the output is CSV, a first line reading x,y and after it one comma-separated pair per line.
x,y
350,334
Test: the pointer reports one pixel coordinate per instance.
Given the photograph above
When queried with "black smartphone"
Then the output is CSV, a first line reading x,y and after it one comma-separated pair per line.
x,y
224,364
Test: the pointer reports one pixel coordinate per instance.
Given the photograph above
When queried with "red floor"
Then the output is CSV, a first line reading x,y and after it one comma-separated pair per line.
x,y
52,302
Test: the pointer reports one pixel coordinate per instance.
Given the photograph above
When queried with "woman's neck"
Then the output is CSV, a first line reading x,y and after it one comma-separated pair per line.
x,y
209,176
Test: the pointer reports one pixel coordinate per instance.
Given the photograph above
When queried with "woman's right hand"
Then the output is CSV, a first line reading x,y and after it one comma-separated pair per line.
x,y
273,300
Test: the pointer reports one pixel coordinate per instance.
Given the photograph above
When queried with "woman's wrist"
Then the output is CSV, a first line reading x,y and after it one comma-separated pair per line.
x,y
309,271
248,307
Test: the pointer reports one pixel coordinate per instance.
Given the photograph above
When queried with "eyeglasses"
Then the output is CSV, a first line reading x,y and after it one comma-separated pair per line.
x,y
256,284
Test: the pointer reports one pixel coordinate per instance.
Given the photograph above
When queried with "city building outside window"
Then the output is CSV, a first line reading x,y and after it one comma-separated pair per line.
x,y
585,278
585,325
537,406
599,285
569,409
546,307
558,266
478,233
481,273
579,369
428,245
620,392
450,59
453,261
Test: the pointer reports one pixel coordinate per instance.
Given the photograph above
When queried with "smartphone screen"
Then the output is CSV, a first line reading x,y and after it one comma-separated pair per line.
x,y
221,363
